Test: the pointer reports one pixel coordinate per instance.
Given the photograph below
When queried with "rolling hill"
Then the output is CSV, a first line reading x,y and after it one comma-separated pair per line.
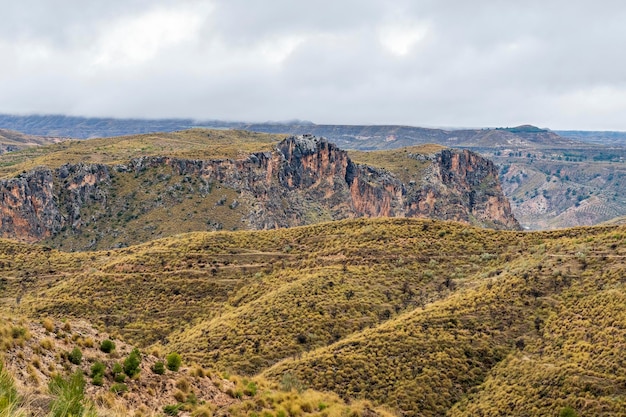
x,y
420,316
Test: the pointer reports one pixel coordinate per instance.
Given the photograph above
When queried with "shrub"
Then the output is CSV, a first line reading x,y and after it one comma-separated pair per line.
x,y
97,368
289,383
118,373
98,380
69,395
132,362
117,368
568,412
118,388
75,356
48,324
172,410
18,332
158,368
250,389
202,411
173,361
107,346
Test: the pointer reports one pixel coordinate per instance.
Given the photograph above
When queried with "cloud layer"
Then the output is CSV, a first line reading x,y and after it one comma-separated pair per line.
x,y
551,63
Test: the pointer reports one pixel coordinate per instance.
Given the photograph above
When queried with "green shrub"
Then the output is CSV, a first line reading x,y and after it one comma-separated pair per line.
x,y
568,412
97,368
75,356
173,361
118,373
117,368
132,362
158,368
18,332
172,410
250,389
107,346
98,380
118,388
69,395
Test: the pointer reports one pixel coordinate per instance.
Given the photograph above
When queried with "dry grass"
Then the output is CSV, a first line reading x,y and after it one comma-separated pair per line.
x,y
420,316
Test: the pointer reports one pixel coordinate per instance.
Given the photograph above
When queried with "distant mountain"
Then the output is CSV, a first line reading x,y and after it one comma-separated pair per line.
x,y
363,137
599,137
378,137
84,127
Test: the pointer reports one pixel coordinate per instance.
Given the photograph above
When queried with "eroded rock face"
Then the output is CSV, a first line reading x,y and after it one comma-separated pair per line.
x,y
28,206
303,181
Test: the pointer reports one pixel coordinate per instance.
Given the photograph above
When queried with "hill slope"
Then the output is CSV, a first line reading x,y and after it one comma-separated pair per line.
x,y
426,317
109,202
11,141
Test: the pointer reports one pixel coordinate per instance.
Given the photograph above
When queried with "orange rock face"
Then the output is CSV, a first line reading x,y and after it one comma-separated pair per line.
x,y
303,177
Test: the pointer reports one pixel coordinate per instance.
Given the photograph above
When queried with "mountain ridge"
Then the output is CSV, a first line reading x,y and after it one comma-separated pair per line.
x,y
302,180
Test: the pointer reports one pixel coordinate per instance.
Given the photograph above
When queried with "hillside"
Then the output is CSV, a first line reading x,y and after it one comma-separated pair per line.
x,y
105,193
63,368
424,317
590,156
11,141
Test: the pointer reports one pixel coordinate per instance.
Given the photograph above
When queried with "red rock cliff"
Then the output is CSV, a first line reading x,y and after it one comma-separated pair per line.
x,y
304,180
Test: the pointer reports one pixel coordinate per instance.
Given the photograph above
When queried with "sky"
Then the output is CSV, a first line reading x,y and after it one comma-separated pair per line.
x,y
446,63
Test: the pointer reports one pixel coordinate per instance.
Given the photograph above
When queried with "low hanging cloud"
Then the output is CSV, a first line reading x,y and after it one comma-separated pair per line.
x,y
436,63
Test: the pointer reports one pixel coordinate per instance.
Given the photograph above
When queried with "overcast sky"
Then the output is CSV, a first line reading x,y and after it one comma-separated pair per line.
x,y
556,64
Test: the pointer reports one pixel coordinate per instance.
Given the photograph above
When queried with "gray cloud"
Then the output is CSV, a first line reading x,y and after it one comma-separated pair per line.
x,y
448,63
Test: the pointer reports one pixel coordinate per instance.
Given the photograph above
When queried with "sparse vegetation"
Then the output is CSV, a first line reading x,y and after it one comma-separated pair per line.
x,y
442,318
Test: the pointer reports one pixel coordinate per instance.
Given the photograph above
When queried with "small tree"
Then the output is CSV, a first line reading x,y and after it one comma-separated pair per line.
x,y
173,361
132,362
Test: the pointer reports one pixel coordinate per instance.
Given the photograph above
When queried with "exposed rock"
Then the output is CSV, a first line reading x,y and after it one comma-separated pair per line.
x,y
306,179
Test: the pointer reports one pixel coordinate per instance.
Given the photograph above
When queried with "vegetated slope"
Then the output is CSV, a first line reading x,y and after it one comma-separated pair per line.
x,y
563,189
212,180
426,317
69,368
538,310
11,141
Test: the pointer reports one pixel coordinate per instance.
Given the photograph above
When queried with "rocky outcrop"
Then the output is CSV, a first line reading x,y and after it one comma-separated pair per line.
x,y
28,206
304,180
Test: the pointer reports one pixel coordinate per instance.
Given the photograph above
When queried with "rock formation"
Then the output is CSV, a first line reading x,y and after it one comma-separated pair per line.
x,y
304,180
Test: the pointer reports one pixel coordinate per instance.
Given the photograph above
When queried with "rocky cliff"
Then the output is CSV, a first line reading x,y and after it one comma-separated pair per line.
x,y
304,180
